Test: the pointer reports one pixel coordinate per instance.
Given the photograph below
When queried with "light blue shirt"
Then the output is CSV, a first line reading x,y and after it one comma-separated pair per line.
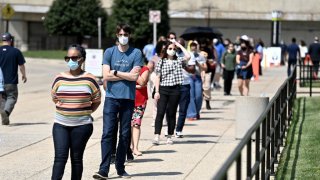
x,y
148,51
220,50
123,62
185,74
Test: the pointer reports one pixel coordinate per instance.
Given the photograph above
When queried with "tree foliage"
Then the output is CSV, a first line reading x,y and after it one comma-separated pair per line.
x,y
136,14
75,18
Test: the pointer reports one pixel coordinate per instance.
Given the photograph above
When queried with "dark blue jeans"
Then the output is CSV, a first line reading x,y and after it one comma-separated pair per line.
x,y
195,96
113,107
73,138
183,106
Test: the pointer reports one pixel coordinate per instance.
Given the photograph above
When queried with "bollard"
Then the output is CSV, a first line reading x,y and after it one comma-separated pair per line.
x,y
248,110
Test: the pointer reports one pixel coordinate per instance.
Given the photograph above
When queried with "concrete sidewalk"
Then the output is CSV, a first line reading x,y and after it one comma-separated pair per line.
x,y
26,149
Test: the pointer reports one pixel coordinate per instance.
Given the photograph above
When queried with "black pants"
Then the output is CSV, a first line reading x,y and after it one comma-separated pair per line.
x,y
168,103
316,67
228,77
73,139
260,68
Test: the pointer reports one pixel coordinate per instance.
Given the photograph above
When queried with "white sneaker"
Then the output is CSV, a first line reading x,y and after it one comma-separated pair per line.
x,y
179,134
156,141
169,141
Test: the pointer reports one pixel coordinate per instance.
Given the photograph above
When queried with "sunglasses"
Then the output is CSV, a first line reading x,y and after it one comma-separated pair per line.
x,y
125,34
73,58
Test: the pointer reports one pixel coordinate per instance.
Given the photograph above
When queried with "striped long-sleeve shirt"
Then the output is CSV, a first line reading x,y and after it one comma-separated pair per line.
x,y
74,97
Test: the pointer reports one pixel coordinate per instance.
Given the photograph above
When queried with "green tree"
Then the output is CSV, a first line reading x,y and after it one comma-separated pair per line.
x,y
75,18
136,14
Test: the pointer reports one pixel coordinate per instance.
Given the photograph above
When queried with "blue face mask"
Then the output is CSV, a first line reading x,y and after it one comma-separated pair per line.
x,y
73,65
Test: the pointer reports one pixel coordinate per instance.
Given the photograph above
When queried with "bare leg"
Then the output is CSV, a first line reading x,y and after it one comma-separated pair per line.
x,y
240,86
246,87
135,140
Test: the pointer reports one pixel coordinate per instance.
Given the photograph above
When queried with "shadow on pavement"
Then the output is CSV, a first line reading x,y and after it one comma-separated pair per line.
x,y
158,174
147,160
208,118
191,125
27,124
158,152
194,142
199,135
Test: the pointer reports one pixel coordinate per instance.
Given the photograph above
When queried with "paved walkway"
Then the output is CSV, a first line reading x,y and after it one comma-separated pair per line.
x,y
26,148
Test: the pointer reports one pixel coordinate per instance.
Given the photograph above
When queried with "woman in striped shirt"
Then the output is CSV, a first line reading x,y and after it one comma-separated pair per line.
x,y
76,95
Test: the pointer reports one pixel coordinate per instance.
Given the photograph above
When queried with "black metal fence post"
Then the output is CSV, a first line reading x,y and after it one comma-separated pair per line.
x,y
238,169
257,151
272,140
310,81
263,146
249,159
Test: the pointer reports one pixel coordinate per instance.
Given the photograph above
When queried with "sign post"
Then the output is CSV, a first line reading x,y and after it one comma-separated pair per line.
x,y
154,17
99,32
7,12
93,63
276,27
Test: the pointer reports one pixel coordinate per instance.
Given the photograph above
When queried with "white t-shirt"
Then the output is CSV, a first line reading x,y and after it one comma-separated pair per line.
x,y
303,51
196,57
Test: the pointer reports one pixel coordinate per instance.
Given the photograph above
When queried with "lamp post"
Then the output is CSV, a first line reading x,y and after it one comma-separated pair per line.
x,y
208,8
276,27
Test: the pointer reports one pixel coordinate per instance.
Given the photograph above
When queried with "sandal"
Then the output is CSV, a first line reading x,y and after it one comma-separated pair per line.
x,y
137,153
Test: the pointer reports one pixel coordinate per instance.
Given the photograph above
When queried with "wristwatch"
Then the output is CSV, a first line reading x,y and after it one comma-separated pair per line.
x,y
115,73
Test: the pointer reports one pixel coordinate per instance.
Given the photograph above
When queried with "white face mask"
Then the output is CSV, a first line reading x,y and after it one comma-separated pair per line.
x,y
171,52
123,40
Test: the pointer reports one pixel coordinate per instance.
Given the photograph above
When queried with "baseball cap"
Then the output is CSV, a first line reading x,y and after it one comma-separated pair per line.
x,y
244,37
6,37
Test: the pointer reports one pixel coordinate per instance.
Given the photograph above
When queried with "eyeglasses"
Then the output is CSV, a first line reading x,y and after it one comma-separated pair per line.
x,y
73,58
125,34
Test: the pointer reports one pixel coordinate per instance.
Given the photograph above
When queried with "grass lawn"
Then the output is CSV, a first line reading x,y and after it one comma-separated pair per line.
x,y
315,84
301,156
52,54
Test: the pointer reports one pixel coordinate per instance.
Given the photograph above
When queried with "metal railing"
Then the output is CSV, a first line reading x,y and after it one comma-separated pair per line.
x,y
308,79
269,130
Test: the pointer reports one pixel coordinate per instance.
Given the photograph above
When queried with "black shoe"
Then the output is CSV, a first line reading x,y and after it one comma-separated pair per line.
x,y
5,118
125,175
208,105
100,175
113,159
216,86
130,157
